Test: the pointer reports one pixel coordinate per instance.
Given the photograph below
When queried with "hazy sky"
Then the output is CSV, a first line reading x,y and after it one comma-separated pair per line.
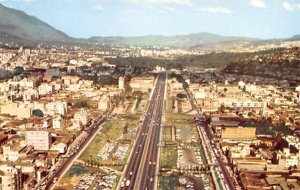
x,y
86,18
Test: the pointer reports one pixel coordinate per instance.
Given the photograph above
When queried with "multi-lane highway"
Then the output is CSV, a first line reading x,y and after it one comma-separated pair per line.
x,y
208,132
141,169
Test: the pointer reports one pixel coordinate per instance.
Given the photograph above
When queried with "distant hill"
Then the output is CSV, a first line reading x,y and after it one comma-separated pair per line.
x,y
295,37
18,26
275,63
180,41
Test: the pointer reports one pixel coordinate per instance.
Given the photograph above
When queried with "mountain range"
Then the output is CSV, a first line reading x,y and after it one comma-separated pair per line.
x,y
181,41
17,26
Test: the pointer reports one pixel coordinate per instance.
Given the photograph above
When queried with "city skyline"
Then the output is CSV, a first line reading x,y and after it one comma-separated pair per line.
x,y
264,19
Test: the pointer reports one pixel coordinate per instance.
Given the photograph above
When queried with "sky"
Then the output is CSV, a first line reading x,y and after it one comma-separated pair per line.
x,y
265,19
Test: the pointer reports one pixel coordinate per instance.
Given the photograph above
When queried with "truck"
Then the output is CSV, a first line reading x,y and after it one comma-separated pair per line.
x,y
122,184
127,183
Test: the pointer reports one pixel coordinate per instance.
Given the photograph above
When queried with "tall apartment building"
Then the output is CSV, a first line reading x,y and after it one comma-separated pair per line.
x,y
10,178
39,139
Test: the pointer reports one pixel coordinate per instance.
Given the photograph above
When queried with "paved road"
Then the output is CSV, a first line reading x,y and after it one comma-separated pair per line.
x,y
149,166
140,171
68,161
210,135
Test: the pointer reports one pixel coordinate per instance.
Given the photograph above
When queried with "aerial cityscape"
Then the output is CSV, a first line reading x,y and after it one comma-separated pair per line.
x,y
149,95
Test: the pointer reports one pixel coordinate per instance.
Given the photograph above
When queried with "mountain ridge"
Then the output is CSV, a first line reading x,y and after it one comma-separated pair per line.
x,y
19,27
17,24
181,41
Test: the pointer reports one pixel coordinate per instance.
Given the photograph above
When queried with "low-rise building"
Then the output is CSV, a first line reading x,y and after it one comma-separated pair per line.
x,y
238,133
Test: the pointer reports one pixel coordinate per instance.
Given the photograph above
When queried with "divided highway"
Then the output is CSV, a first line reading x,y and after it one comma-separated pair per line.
x,y
141,169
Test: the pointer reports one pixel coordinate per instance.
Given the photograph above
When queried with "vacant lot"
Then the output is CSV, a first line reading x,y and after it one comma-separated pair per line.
x,y
168,157
72,177
111,131
168,183
167,133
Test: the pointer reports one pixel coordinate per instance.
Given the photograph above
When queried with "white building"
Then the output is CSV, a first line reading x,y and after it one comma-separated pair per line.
x,y
57,108
57,122
60,147
252,88
142,83
45,89
121,83
200,94
104,103
11,153
81,117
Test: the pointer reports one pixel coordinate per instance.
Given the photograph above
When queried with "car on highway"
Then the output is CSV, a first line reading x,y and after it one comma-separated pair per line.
x,y
54,180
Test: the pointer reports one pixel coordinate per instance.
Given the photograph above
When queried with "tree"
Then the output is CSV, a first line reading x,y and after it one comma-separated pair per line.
x,y
250,114
38,113
73,72
222,108
81,104
18,70
125,129
181,96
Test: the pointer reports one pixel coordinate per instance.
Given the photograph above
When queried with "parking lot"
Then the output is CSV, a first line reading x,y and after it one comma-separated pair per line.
x,y
97,181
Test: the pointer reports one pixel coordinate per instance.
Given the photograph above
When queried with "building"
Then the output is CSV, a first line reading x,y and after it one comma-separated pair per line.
x,y
10,178
30,94
22,111
60,148
39,139
104,103
121,83
238,133
57,122
45,89
11,152
200,94
58,107
142,83
249,104
81,117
